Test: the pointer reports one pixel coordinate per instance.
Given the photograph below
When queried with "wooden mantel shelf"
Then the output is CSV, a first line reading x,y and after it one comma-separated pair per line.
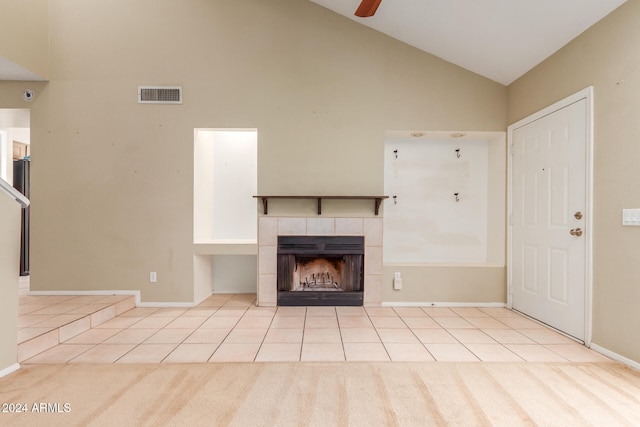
x,y
377,200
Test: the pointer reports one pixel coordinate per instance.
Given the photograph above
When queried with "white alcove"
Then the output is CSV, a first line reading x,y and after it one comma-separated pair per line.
x,y
446,202
225,181
224,211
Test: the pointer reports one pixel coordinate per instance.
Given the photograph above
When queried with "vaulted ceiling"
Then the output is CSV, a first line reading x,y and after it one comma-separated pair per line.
x,y
498,39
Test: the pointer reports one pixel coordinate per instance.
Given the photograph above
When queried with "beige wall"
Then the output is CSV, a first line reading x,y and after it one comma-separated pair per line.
x,y
446,284
112,180
9,274
607,57
28,22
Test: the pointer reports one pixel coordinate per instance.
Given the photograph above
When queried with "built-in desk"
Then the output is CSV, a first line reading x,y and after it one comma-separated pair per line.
x,y
204,255
226,247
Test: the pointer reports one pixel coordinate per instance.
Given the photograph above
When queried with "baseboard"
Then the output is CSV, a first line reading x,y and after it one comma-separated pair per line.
x,y
444,304
9,369
615,356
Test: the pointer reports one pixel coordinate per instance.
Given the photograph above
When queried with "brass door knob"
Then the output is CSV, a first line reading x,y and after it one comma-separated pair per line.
x,y
576,232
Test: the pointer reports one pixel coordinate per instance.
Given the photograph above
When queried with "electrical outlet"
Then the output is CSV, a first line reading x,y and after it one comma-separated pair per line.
x,y
153,277
397,281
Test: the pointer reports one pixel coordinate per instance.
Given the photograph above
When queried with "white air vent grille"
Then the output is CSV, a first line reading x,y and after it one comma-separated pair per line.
x,y
160,94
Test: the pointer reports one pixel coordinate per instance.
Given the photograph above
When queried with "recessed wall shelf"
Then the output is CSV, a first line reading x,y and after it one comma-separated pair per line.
x,y
377,200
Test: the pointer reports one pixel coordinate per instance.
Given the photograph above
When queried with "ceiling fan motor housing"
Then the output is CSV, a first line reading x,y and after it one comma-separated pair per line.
x,y
367,8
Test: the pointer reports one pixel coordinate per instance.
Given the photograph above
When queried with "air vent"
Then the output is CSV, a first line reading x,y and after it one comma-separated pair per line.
x,y
159,94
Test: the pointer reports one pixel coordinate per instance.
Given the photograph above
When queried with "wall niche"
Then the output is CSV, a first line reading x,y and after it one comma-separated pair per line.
x,y
446,198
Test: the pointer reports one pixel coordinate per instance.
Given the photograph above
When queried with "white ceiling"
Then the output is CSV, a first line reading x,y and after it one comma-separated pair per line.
x,y
11,71
498,39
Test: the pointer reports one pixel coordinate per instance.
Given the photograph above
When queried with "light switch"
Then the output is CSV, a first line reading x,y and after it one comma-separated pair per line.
x,y
630,216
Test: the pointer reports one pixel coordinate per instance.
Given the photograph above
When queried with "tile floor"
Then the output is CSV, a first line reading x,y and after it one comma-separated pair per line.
x,y
230,328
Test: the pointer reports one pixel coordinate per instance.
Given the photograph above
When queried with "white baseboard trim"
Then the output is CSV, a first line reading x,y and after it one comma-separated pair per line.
x,y
444,304
9,369
615,356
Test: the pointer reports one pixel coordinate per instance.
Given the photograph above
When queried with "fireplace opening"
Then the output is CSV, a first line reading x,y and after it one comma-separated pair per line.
x,y
317,274
320,270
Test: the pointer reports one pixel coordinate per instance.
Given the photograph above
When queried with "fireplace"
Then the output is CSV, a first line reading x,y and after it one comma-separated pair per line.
x,y
320,270
271,227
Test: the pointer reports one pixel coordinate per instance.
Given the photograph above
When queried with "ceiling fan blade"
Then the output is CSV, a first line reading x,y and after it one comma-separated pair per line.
x,y
367,8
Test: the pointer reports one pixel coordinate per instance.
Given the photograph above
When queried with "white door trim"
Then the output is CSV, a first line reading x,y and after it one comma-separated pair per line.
x,y
586,94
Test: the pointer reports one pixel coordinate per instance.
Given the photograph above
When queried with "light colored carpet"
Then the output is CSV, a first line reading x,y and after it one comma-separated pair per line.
x,y
326,394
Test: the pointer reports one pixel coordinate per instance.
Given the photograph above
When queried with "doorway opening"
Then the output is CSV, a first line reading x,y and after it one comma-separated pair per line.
x,y
15,165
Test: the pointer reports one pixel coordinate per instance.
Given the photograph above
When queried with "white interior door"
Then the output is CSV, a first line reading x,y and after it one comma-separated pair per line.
x,y
549,224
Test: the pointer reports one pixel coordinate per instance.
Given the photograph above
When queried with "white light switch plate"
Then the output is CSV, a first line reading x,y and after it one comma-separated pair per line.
x,y
630,216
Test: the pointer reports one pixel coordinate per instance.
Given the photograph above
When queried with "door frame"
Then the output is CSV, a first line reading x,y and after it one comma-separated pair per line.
x,y
586,94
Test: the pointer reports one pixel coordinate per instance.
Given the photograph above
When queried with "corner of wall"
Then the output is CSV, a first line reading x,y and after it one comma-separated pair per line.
x,y
9,278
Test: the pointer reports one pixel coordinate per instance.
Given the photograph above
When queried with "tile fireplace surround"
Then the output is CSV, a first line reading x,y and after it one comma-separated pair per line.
x,y
270,227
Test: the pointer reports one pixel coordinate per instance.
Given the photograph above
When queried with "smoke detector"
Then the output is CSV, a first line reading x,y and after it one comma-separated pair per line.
x,y
28,95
